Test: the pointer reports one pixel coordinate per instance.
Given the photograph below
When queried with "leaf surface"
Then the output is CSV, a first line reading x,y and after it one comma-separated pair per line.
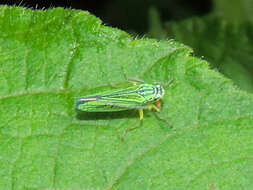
x,y
47,58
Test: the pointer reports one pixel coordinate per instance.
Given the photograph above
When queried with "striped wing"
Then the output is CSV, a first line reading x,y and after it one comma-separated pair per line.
x,y
129,98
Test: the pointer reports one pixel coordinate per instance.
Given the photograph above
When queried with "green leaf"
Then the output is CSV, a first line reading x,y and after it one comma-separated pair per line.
x,y
47,58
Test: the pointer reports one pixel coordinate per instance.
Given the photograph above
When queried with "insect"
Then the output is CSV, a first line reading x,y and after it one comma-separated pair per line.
x,y
139,97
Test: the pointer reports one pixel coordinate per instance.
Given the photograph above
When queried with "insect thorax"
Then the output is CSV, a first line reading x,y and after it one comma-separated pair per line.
x,y
151,92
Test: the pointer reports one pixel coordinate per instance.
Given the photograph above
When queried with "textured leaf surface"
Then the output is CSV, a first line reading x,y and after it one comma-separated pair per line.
x,y
47,58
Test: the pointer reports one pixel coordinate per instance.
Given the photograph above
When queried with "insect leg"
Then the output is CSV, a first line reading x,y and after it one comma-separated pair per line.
x,y
152,106
135,80
141,114
163,118
133,127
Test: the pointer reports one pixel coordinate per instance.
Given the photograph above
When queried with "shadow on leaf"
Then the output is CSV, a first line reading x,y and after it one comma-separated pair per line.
x,y
81,115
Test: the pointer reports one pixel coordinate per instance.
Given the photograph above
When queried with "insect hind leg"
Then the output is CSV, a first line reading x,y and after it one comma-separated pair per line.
x,y
160,117
135,126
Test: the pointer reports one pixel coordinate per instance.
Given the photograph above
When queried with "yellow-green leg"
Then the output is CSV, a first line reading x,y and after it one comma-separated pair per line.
x,y
152,106
141,114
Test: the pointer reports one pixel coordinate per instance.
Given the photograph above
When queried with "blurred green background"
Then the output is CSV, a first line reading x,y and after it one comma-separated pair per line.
x,y
219,31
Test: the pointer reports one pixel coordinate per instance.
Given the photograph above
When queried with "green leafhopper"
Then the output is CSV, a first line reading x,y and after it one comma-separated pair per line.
x,y
136,97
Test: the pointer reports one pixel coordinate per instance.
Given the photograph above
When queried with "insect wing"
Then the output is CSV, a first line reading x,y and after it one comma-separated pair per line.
x,y
128,98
